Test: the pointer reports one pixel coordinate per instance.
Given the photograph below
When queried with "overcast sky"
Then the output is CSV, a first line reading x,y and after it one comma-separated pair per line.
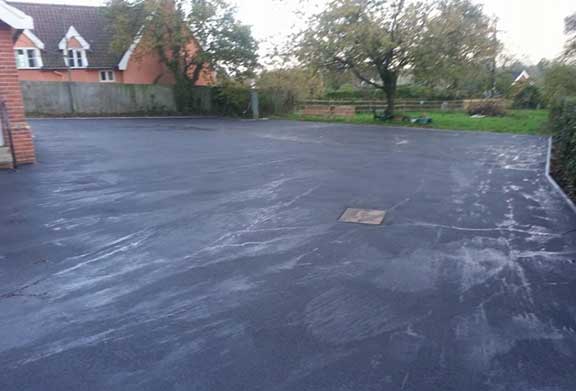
x,y
531,29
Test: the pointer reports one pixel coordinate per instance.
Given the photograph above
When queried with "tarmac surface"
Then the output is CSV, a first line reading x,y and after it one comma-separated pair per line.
x,y
206,254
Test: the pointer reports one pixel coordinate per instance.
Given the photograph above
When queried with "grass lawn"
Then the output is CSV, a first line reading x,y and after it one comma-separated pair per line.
x,y
516,121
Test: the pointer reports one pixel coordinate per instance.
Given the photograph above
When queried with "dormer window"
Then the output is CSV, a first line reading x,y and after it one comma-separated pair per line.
x,y
74,49
28,58
28,51
76,58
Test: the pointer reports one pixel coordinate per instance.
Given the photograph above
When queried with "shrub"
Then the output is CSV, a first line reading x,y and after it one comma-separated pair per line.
x,y
526,96
300,83
487,107
276,101
563,123
408,91
559,81
232,98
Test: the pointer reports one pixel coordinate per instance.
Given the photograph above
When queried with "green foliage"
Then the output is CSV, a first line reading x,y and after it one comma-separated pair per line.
x,y
227,45
409,91
126,20
372,39
507,73
174,30
458,50
232,98
336,80
526,95
559,81
377,40
274,101
193,99
488,107
504,80
563,122
300,83
571,31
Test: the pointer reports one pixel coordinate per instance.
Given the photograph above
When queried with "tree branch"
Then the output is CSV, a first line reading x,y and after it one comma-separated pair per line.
x,y
356,73
196,73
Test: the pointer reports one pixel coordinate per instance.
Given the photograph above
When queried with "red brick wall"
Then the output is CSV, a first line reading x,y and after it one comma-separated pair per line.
x,y
328,111
10,92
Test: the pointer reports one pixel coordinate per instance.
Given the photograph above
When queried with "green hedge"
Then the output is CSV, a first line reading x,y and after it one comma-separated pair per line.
x,y
563,123
276,101
403,92
231,100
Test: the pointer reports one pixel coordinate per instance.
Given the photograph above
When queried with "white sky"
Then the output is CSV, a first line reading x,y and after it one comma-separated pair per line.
x,y
531,29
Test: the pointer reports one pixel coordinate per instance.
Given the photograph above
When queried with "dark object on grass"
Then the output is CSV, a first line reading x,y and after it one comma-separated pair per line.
x,y
424,119
489,108
380,115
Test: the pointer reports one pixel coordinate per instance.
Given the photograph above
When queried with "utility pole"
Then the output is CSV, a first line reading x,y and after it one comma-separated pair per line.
x,y
494,65
255,103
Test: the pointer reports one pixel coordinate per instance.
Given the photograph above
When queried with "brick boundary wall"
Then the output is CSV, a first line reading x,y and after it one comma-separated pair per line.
x,y
10,91
329,111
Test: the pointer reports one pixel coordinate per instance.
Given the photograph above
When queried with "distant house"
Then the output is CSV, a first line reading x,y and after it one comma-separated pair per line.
x,y
521,77
72,43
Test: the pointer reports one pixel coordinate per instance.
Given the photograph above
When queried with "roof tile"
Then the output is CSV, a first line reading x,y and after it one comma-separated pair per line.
x,y
52,21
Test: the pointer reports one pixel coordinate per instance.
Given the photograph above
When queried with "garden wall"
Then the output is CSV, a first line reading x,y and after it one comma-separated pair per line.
x,y
70,98
74,99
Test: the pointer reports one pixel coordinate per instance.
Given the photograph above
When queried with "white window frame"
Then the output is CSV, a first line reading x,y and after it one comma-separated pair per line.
x,y
25,56
109,76
77,56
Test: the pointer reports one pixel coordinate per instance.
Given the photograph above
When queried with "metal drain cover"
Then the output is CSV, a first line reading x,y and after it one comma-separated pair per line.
x,y
363,216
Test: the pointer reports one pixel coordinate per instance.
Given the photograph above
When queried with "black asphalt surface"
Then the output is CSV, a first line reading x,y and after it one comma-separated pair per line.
x,y
206,255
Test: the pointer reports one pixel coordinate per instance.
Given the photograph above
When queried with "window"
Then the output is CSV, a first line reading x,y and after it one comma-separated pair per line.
x,y
107,76
28,58
76,58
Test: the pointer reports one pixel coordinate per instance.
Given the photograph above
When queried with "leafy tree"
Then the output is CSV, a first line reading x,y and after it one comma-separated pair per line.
x,y
227,45
510,69
458,50
526,95
571,31
378,40
337,80
301,83
504,81
373,39
559,81
170,29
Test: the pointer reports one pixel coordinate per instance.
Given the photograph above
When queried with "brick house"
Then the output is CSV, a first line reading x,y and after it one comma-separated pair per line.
x,y
72,43
16,145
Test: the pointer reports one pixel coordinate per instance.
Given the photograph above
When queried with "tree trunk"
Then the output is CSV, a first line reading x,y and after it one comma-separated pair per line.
x,y
390,84
199,67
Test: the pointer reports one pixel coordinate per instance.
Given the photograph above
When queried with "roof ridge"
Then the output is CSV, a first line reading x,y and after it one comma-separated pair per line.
x,y
56,4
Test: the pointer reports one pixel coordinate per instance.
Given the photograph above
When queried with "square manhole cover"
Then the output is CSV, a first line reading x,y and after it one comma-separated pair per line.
x,y
363,216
